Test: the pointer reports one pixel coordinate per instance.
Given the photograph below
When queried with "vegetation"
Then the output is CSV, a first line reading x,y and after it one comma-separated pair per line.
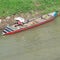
x,y
9,7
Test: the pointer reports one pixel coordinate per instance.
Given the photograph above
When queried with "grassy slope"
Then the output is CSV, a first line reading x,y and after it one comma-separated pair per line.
x,y
9,7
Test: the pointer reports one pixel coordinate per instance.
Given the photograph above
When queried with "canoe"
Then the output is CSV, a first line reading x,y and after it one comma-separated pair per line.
x,y
30,24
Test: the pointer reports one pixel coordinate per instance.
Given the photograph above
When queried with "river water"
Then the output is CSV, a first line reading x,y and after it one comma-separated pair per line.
x,y
40,43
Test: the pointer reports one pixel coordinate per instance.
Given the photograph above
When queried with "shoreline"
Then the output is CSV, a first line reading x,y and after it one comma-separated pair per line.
x,y
9,20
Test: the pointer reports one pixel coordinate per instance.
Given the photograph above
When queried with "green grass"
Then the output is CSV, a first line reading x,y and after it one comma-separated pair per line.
x,y
9,7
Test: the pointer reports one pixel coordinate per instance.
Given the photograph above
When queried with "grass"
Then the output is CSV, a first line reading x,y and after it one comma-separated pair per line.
x,y
9,7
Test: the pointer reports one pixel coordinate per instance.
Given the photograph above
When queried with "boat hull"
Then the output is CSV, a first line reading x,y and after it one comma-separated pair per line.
x,y
30,27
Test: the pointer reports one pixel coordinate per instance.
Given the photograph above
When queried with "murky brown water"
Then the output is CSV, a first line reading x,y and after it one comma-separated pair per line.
x,y
41,43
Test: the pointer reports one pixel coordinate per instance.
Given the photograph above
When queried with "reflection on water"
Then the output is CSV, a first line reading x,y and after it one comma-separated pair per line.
x,y
41,43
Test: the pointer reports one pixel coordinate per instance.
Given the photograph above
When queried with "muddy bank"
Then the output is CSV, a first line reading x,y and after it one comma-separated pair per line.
x,y
9,20
4,21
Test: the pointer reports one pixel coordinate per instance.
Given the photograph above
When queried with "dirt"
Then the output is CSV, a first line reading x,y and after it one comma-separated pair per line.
x,y
9,20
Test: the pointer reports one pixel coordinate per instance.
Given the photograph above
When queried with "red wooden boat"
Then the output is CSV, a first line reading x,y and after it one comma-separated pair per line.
x,y
31,24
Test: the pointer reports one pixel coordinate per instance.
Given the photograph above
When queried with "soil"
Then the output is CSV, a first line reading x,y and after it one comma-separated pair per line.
x,y
9,20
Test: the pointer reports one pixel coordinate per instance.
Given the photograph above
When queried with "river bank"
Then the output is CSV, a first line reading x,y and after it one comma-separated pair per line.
x,y
26,9
9,20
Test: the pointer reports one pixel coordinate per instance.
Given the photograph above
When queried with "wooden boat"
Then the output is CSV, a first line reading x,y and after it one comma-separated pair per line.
x,y
30,24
